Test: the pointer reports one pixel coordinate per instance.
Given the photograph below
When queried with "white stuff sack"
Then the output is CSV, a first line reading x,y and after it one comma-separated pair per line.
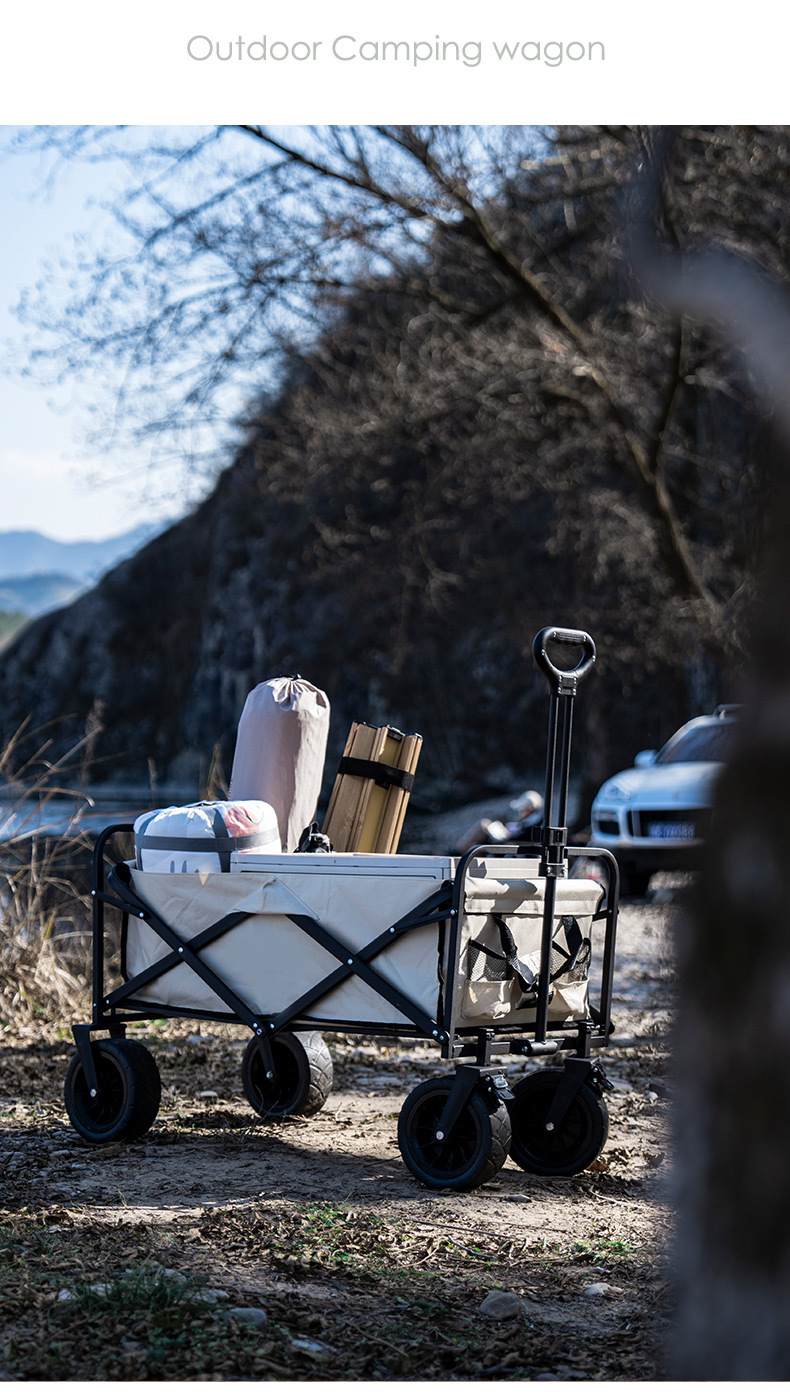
x,y
202,836
280,752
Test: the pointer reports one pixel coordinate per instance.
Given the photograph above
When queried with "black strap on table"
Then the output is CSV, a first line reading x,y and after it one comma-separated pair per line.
x,y
381,773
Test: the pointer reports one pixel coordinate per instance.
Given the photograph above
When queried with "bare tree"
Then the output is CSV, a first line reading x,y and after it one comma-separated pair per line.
x,y
242,244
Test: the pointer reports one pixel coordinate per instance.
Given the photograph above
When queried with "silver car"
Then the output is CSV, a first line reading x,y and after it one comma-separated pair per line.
x,y
656,815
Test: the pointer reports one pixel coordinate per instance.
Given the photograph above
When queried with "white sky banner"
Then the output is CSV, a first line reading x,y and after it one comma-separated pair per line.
x,y
190,61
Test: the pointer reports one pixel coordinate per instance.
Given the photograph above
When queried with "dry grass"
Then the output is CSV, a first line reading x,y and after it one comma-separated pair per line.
x,y
44,918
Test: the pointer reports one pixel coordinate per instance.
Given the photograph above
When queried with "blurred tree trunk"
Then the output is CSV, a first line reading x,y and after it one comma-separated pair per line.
x,y
733,1046
733,1029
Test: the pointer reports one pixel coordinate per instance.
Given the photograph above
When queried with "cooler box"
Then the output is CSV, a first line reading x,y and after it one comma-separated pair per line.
x,y
269,961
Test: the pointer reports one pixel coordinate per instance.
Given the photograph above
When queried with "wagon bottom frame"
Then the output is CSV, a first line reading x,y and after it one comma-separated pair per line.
x,y
455,1130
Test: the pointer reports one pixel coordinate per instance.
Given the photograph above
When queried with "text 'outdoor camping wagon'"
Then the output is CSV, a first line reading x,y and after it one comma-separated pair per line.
x,y
480,954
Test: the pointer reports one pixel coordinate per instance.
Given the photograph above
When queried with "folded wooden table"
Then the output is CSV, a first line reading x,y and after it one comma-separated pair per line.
x,y
371,792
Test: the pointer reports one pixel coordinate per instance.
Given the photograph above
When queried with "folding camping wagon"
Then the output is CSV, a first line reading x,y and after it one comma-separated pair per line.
x,y
481,954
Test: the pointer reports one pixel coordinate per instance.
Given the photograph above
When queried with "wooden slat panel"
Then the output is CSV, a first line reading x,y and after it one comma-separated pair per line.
x,y
362,815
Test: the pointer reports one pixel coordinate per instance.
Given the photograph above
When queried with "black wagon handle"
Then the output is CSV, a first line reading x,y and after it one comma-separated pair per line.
x,y
563,682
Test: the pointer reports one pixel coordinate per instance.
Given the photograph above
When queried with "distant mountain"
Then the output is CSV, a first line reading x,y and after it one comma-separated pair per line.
x,y
38,593
25,553
10,624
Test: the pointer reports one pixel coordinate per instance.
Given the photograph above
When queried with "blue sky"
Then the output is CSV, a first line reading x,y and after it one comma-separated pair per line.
x,y
47,481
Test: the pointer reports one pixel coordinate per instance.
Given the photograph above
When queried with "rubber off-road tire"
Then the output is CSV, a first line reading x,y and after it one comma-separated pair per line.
x,y
571,1146
302,1078
129,1093
473,1151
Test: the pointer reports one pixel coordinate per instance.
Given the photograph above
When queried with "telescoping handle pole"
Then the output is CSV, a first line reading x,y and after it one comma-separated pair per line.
x,y
554,834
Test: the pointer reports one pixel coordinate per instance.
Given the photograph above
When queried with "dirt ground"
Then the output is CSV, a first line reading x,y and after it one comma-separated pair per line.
x,y
127,1262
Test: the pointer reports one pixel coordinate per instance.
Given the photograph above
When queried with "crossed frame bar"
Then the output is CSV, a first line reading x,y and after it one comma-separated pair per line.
x,y
434,909
445,904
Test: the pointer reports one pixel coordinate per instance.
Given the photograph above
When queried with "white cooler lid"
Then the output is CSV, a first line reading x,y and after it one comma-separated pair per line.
x,y
345,863
362,863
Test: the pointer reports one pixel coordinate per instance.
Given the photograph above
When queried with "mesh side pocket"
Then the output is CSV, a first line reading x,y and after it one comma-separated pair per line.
x,y
571,984
575,967
483,964
579,971
488,985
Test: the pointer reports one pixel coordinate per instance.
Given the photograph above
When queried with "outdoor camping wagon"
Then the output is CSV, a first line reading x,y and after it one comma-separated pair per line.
x,y
488,953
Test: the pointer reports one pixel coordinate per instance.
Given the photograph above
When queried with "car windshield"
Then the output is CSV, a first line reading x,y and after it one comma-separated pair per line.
x,y
705,743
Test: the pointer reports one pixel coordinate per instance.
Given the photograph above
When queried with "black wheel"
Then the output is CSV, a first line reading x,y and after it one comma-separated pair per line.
x,y
301,1080
633,883
472,1152
566,1149
128,1096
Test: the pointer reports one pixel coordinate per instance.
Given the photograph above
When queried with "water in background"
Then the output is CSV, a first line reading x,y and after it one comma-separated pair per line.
x,y
21,815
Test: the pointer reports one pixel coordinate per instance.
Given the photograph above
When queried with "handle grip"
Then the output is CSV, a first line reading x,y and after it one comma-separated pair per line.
x,y
563,682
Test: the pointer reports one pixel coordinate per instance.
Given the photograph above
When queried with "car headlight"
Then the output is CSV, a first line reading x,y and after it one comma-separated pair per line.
x,y
612,792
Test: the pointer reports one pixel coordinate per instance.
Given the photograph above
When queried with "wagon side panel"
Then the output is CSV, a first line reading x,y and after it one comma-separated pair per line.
x,y
269,961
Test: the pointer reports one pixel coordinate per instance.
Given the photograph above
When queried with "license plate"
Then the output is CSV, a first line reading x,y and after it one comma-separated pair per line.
x,y
671,831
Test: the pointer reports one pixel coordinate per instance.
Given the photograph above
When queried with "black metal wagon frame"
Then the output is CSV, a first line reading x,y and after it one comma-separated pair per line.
x,y
440,1117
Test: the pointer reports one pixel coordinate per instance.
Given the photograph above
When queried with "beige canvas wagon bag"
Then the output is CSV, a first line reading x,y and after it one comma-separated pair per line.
x,y
501,979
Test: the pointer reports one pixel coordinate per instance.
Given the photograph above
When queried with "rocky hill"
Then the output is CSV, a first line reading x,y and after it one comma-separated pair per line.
x,y
156,660
162,652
